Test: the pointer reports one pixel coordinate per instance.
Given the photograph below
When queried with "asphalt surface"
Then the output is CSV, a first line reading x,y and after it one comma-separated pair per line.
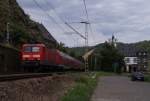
x,y
120,88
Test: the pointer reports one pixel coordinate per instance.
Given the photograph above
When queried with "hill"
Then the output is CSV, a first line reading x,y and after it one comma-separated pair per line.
x,y
21,28
142,45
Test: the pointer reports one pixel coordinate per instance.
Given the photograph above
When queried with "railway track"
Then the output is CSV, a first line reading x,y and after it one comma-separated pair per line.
x,y
12,77
18,76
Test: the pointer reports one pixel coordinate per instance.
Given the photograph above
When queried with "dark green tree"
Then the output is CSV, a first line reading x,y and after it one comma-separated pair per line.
x,y
111,59
18,35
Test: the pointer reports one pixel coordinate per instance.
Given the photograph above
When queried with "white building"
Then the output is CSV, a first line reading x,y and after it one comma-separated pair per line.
x,y
131,61
134,58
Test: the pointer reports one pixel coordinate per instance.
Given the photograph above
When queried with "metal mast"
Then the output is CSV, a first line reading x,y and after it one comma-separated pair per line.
x,y
86,44
7,36
8,23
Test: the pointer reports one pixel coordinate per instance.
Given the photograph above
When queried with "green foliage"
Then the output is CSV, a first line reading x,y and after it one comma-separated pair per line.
x,y
19,35
72,53
1,37
147,78
82,91
85,84
61,47
111,59
21,28
111,52
143,45
79,51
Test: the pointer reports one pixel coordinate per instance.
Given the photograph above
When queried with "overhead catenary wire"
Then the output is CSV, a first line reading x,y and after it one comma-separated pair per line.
x,y
53,8
86,11
39,6
42,9
75,31
64,22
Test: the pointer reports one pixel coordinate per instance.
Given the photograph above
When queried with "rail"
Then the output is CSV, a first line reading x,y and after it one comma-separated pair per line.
x,y
23,76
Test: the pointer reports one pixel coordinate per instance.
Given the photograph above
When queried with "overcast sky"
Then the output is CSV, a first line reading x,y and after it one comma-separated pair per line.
x,y
129,20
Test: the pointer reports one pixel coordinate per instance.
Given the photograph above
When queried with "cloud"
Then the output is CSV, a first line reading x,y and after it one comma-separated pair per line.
x,y
128,19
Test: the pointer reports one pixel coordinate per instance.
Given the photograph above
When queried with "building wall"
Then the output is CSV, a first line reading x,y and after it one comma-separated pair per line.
x,y
137,63
9,60
142,60
131,63
130,60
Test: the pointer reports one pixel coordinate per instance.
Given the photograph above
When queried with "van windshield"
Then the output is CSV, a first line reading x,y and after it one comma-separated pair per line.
x,y
31,49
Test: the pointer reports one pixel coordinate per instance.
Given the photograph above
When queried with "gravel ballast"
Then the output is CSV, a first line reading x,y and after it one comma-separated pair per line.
x,y
50,88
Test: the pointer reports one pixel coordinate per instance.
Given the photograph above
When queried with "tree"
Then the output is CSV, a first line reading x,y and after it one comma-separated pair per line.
x,y
18,35
111,59
72,53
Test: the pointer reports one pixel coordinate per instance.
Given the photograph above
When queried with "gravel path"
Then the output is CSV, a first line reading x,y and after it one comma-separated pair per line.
x,y
119,88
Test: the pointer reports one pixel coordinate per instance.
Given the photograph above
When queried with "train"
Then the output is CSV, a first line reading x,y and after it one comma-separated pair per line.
x,y
39,57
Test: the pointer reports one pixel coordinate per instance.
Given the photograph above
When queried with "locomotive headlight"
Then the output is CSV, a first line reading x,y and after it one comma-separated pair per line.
x,y
36,56
26,56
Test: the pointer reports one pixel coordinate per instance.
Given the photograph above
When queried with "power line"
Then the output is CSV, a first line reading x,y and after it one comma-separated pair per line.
x,y
86,10
48,14
63,19
42,9
64,22
53,8
76,31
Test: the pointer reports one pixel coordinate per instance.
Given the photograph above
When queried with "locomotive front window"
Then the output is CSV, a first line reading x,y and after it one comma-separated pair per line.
x,y
35,49
27,49
31,49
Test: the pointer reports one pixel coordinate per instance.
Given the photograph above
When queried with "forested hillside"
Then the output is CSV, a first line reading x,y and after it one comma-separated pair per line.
x,y
142,45
21,28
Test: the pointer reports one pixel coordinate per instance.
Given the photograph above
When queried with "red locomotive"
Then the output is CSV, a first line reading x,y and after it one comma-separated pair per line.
x,y
38,55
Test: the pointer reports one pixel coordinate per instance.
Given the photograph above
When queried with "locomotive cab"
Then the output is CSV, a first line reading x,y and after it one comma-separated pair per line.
x,y
32,54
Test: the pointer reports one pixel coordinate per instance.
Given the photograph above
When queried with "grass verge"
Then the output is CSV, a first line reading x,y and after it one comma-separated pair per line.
x,y
83,89
147,78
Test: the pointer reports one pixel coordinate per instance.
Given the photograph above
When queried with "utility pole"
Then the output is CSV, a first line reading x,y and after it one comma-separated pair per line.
x,y
8,35
86,44
95,63
8,24
84,37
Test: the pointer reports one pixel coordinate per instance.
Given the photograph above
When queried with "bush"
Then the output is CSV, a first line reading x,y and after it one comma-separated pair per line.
x,y
85,84
147,78
82,90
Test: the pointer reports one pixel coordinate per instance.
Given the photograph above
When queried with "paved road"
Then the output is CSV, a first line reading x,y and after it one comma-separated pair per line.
x,y
119,88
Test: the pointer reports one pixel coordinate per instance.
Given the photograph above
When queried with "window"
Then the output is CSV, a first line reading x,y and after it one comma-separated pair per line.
x,y
35,49
144,60
127,60
135,60
144,53
27,49
139,53
31,49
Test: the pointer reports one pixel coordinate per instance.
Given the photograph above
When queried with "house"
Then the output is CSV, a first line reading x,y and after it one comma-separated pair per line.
x,y
134,58
142,60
